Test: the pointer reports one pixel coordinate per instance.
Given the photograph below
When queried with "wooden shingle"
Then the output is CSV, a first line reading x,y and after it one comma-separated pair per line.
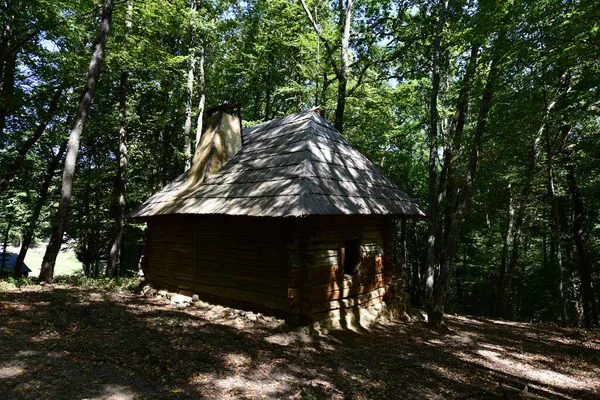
x,y
293,166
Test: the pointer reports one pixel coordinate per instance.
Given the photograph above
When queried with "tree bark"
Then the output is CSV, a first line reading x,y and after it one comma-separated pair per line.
x,y
5,241
341,72
403,273
41,199
187,126
202,82
7,89
556,253
507,275
113,265
505,254
580,234
8,59
433,148
13,168
447,185
440,289
416,265
47,270
345,67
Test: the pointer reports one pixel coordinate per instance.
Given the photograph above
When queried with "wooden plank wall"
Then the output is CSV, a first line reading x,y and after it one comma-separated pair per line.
x,y
330,292
237,261
284,267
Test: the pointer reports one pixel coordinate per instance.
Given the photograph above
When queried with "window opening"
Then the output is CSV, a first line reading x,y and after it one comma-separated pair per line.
x,y
351,256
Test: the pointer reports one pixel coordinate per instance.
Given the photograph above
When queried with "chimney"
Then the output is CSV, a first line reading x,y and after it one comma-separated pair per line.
x,y
221,139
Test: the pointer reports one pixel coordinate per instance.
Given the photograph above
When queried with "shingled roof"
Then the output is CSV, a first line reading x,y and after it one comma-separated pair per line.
x,y
295,166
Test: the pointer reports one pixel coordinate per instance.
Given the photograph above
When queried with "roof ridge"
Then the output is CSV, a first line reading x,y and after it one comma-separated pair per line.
x,y
254,128
307,163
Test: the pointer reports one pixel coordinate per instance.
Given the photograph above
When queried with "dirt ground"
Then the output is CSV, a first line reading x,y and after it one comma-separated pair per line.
x,y
70,343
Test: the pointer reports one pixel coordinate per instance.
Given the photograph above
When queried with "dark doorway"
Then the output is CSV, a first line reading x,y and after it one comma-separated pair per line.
x,y
351,256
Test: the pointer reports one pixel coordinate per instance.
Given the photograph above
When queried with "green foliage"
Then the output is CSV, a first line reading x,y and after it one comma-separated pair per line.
x,y
122,284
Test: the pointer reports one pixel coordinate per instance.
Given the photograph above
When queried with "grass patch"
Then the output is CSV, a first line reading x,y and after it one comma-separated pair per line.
x,y
66,262
121,284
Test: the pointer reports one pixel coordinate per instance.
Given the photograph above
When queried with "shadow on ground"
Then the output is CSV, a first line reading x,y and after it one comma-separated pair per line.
x,y
68,343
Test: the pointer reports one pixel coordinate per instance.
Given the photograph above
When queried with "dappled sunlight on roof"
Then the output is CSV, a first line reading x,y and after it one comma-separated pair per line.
x,y
293,166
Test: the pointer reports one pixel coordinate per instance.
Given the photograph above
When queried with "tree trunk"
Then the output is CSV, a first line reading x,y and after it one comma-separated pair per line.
x,y
345,22
403,274
460,294
28,235
299,99
342,72
500,304
189,90
433,148
507,275
440,289
447,185
47,270
202,82
416,265
580,234
5,241
13,168
556,254
112,266
7,89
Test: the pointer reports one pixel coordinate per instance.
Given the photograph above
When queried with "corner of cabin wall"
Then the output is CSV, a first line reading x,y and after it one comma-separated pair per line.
x,y
331,298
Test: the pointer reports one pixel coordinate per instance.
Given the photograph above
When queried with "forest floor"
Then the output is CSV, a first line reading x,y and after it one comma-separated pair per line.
x,y
65,342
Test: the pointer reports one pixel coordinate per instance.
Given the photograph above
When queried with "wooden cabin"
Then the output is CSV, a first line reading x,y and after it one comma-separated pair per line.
x,y
286,218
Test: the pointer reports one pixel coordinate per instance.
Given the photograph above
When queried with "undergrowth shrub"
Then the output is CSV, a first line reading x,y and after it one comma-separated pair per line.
x,y
124,284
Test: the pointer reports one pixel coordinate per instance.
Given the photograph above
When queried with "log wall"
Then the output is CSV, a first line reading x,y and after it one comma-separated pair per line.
x,y
326,291
285,267
236,261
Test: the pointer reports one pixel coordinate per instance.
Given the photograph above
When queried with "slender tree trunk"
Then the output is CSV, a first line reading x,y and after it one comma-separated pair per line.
x,y
440,289
460,294
14,167
556,254
342,72
505,283
8,60
505,255
403,273
7,89
202,82
41,199
416,265
580,234
5,241
346,17
47,270
267,101
447,185
433,148
187,126
575,282
299,99
113,265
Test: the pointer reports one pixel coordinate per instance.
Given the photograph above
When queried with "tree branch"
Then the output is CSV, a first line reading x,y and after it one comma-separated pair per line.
x,y
337,71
